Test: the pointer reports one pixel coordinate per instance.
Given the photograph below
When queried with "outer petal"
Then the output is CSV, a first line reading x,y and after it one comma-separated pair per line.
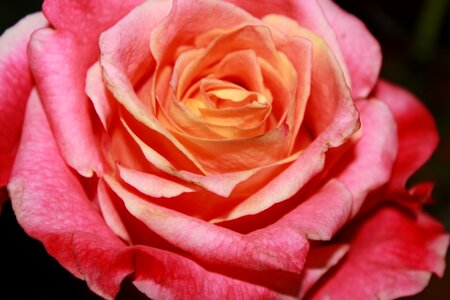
x,y
320,259
51,205
56,210
368,165
417,133
388,261
362,53
63,55
15,87
216,245
279,247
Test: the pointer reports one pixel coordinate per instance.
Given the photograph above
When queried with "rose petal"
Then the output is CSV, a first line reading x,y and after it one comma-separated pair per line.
x,y
125,56
56,211
308,14
239,155
109,212
322,215
299,51
243,66
55,57
221,184
63,55
182,24
152,185
15,87
417,133
284,249
361,51
368,165
91,17
331,127
220,246
320,259
160,275
104,103
388,261
355,48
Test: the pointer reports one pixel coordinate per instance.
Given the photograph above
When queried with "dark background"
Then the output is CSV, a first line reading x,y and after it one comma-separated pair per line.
x,y
415,38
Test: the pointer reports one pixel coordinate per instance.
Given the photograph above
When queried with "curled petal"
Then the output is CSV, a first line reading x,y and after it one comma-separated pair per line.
x,y
322,215
416,129
110,213
58,212
368,165
357,51
124,57
361,51
15,87
216,245
308,14
62,55
319,261
181,24
104,103
152,185
331,127
389,261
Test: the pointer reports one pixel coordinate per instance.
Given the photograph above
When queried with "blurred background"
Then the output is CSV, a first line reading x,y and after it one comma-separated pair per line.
x,y
415,38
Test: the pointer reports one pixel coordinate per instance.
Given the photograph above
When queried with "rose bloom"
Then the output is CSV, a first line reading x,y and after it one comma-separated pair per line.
x,y
216,150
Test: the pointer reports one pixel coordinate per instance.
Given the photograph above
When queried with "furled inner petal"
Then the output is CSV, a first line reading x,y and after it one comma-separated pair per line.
x,y
330,119
195,79
124,59
150,184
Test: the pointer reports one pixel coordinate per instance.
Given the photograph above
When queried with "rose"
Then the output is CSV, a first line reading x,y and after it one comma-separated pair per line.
x,y
212,150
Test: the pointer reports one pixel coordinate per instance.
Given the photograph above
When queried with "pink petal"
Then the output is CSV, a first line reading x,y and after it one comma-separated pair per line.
x,y
152,185
284,248
161,275
15,87
55,210
368,165
320,216
362,53
52,206
388,261
416,129
103,101
57,57
87,19
63,55
319,261
110,212
284,242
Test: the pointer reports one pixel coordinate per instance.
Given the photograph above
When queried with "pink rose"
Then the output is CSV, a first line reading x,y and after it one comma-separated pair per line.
x,y
218,150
